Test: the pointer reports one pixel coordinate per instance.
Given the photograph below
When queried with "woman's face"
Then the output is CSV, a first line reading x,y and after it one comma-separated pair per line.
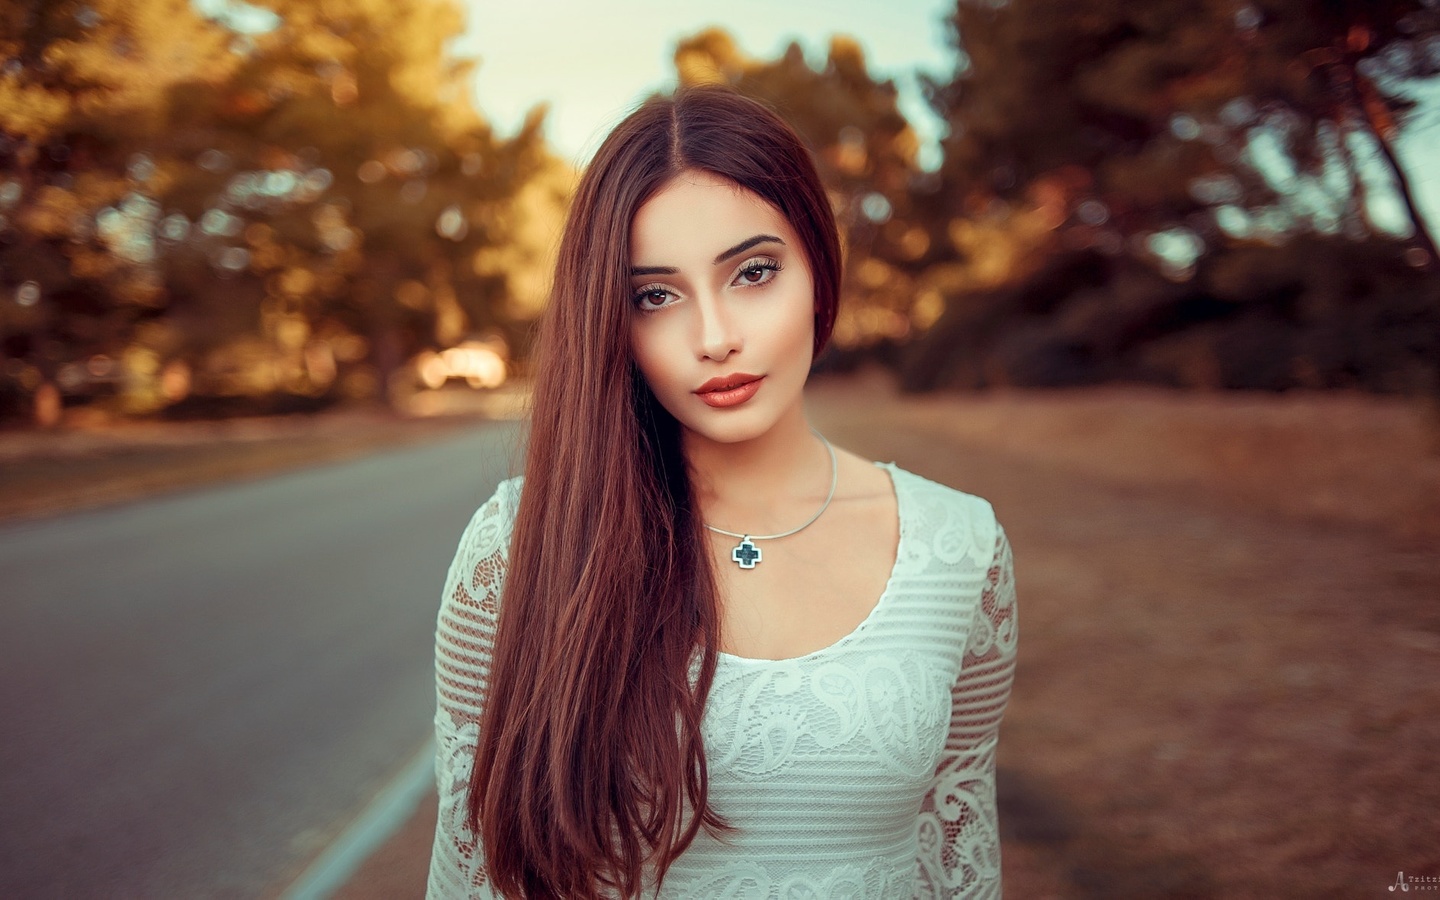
x,y
721,294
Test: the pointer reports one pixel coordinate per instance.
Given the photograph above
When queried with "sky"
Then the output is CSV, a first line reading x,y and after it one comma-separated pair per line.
x,y
592,62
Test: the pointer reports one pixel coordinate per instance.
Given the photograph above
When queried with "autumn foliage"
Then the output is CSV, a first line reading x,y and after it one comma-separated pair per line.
x,y
261,213
1182,192
288,204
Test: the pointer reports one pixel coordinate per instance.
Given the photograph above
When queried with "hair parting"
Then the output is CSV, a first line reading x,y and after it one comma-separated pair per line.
x,y
590,775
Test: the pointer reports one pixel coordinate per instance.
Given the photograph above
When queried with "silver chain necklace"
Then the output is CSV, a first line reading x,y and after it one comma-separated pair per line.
x,y
746,555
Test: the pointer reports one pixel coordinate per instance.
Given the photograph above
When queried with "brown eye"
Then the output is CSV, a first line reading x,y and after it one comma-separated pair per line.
x,y
649,299
757,272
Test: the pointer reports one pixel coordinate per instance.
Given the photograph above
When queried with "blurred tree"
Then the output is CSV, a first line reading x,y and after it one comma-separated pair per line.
x,y
1152,112
866,152
1318,312
1338,70
82,87
1112,157
354,183
223,207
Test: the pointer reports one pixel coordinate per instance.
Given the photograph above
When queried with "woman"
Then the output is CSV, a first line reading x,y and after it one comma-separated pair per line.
x,y
703,653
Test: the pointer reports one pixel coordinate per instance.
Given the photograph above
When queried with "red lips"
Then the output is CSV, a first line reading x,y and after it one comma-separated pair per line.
x,y
729,390
726,382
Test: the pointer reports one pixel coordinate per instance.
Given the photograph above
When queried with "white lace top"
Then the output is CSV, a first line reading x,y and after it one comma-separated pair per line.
x,y
862,770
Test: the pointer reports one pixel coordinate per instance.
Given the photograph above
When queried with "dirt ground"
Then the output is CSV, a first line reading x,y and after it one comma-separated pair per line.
x,y
1229,673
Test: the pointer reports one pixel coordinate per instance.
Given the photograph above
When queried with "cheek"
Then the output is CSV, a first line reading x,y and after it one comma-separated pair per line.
x,y
799,325
646,349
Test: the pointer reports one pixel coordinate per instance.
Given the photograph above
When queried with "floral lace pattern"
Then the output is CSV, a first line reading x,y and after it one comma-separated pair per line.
x,y
741,881
760,723
863,770
464,631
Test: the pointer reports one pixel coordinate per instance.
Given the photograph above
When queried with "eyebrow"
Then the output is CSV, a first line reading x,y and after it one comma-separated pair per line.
x,y
725,255
746,245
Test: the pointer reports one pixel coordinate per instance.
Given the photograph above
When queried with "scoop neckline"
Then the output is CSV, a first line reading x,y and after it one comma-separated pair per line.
x,y
890,469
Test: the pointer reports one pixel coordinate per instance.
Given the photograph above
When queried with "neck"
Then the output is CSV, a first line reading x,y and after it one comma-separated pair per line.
x,y
760,484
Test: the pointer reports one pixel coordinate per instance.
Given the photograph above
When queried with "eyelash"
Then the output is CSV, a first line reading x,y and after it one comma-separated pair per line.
x,y
762,263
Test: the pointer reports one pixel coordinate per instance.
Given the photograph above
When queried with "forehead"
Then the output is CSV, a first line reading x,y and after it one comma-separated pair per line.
x,y
698,214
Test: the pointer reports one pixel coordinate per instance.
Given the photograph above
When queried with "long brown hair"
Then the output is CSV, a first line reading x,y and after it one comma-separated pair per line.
x,y
590,772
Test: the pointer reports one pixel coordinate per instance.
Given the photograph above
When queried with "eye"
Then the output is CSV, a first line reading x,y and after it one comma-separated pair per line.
x,y
757,271
653,297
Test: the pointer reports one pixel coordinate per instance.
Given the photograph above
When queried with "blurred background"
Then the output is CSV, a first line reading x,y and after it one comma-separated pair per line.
x,y
216,208
1159,279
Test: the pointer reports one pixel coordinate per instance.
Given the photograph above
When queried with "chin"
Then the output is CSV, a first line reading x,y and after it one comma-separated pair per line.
x,y
735,432
728,426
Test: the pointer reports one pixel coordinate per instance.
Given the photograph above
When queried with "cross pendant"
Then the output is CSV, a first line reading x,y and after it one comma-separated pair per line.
x,y
745,553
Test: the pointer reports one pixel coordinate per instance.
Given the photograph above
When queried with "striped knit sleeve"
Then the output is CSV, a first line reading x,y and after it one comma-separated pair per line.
x,y
464,635
959,833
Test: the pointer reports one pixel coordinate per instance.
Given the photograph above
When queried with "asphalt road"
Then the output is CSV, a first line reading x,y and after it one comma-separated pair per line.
x,y
198,692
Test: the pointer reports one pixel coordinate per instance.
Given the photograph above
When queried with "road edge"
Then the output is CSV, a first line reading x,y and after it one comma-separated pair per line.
x,y
390,809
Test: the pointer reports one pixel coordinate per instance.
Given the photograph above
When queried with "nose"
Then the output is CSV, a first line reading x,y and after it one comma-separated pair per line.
x,y
720,329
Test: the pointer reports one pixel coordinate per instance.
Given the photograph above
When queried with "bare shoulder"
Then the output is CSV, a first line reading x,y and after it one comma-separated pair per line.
x,y
860,478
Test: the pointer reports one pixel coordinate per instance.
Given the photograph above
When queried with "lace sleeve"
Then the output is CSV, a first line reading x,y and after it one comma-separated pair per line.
x,y
958,831
464,632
